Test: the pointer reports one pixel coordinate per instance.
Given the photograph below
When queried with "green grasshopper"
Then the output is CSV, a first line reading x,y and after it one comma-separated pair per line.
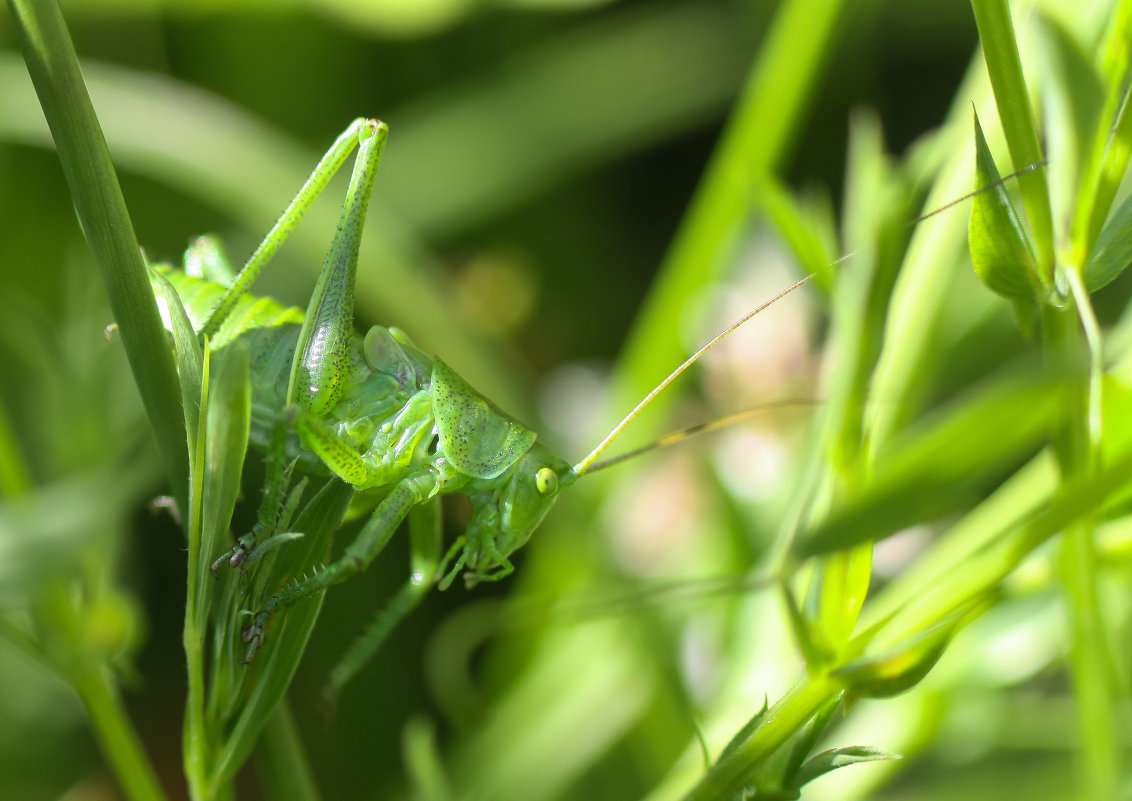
x,y
374,411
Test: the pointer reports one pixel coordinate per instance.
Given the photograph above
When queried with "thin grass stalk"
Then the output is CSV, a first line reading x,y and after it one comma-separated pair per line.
x,y
54,70
752,146
1004,64
1069,336
117,736
281,762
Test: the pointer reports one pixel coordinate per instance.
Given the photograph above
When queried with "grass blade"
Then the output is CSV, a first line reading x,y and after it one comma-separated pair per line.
x,y
1000,48
54,70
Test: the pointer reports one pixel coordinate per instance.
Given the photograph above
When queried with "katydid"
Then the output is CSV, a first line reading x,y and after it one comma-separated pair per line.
x,y
375,412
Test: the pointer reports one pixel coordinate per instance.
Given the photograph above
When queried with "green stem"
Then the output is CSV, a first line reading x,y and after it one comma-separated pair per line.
x,y
196,743
284,770
1093,669
117,737
737,769
1000,48
1093,402
895,617
750,149
54,70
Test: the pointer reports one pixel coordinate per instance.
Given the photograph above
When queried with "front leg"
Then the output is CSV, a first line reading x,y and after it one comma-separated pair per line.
x,y
356,558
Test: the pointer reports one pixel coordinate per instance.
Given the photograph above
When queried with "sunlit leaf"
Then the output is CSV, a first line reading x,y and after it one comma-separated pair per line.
x,y
1072,101
1000,247
947,462
834,758
1113,250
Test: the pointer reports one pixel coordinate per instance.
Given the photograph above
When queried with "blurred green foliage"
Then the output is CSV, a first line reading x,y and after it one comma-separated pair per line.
x,y
541,159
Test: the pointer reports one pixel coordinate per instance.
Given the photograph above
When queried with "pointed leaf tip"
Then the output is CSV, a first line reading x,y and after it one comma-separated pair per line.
x,y
1000,247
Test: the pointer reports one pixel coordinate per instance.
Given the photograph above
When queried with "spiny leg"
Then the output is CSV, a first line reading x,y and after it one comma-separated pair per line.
x,y
322,354
425,542
356,558
319,178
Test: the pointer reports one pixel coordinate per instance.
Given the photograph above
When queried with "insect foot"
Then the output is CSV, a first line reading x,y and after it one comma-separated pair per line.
x,y
234,556
253,635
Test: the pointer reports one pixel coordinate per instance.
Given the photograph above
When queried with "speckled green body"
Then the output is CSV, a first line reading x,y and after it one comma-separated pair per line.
x,y
370,397
402,417
373,411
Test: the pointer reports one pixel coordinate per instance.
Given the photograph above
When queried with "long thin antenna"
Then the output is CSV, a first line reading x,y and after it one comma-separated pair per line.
x,y
587,464
993,184
703,428
582,467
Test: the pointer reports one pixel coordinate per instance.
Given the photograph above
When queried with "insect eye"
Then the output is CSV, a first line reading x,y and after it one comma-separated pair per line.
x,y
546,482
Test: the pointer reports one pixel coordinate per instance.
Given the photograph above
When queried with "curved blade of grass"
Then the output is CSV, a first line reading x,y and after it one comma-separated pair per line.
x,y
834,758
942,468
752,146
54,69
1113,251
1072,102
1112,142
1004,65
187,352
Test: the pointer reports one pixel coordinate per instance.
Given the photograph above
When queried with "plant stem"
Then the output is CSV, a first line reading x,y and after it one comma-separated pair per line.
x,y
1004,64
282,763
117,737
196,745
756,138
732,773
54,70
1092,667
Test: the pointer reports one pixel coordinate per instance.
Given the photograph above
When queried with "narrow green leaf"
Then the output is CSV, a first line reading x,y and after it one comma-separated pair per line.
x,y
947,462
54,69
1000,247
745,733
1113,251
834,758
806,741
1115,125
1072,103
805,226
186,351
1004,66
905,665
229,421
844,584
